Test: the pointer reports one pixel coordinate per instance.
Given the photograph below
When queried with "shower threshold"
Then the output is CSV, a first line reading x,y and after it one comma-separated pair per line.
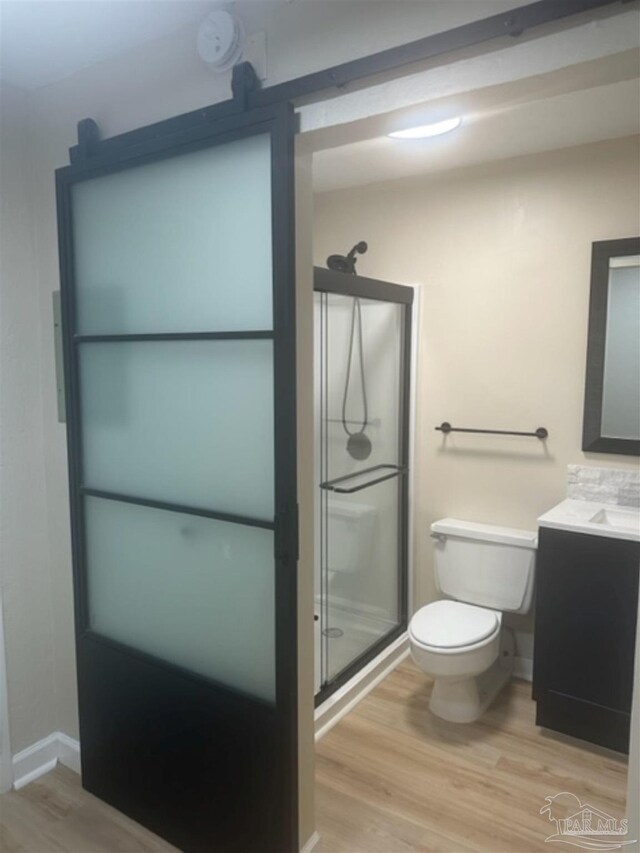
x,y
333,704
357,645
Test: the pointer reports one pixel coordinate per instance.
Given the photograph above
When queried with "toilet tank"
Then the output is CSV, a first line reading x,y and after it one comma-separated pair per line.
x,y
485,565
349,536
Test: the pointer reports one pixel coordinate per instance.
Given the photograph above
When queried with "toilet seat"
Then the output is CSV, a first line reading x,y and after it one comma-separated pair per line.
x,y
450,625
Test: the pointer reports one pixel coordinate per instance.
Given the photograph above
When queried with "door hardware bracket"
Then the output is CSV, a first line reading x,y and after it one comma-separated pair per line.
x,y
244,82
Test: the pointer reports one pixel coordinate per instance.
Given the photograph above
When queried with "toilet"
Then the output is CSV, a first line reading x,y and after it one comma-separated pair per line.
x,y
484,571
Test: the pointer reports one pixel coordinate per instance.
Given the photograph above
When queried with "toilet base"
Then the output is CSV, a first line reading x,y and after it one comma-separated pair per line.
x,y
464,700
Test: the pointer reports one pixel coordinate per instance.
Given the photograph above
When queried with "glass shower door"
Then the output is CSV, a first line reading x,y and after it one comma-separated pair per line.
x,y
363,385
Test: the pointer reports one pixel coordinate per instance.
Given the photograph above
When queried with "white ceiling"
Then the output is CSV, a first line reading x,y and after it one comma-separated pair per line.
x,y
45,40
573,118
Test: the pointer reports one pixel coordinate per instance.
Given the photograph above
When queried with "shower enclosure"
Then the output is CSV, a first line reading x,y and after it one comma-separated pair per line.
x,y
362,381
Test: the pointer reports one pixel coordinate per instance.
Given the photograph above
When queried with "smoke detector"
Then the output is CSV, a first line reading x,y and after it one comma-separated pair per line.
x,y
221,39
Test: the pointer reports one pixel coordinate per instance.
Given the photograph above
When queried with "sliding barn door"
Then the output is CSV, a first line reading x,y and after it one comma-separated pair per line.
x,y
178,298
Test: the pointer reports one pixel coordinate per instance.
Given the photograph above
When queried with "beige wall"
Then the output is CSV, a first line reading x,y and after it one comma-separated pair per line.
x,y
24,560
306,491
502,255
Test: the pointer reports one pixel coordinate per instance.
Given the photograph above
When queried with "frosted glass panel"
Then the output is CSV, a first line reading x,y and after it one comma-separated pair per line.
x,y
180,245
188,422
189,590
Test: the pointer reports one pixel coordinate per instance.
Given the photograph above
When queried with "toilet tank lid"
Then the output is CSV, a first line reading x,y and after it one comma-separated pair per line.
x,y
485,532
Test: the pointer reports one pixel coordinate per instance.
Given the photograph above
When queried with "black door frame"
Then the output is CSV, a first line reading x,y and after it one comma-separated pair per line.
x,y
92,158
329,281
592,439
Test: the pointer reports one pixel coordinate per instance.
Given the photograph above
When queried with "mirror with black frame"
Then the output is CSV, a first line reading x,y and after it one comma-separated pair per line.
x,y
612,391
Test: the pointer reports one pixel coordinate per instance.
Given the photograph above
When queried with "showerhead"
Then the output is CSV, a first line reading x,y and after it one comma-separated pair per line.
x,y
347,264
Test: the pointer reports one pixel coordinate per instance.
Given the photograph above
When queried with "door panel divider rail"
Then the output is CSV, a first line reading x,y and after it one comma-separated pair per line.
x,y
175,336
229,517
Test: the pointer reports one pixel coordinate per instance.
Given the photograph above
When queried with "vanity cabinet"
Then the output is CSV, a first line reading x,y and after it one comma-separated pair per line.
x,y
585,627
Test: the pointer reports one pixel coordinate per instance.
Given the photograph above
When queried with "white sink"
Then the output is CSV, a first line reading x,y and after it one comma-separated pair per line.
x,y
597,519
624,519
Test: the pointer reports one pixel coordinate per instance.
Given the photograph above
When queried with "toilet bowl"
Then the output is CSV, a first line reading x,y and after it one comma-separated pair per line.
x,y
472,644
461,641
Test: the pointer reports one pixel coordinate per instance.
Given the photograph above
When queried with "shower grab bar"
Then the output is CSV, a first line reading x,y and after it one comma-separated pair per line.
x,y
332,485
446,428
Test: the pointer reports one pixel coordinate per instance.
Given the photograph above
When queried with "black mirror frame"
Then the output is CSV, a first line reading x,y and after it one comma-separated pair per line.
x,y
592,438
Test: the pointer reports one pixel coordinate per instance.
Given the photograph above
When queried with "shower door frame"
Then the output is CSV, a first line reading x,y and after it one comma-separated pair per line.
x,y
327,281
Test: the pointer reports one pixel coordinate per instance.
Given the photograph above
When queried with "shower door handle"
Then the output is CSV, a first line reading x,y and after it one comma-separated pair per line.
x,y
335,485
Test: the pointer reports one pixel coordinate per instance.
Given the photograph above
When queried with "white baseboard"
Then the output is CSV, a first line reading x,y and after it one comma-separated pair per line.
x,y
311,843
523,668
347,697
69,752
35,760
41,757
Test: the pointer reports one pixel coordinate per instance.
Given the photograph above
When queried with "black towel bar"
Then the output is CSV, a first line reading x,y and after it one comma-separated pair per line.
x,y
332,485
446,428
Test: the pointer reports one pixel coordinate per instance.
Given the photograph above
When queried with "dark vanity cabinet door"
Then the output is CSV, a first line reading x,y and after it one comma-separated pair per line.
x,y
586,611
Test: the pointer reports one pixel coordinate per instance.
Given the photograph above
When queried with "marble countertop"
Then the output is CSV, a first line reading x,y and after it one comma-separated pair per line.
x,y
595,518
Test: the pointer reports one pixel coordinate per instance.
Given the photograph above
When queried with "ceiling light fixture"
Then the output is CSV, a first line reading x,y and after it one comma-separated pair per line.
x,y
424,131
